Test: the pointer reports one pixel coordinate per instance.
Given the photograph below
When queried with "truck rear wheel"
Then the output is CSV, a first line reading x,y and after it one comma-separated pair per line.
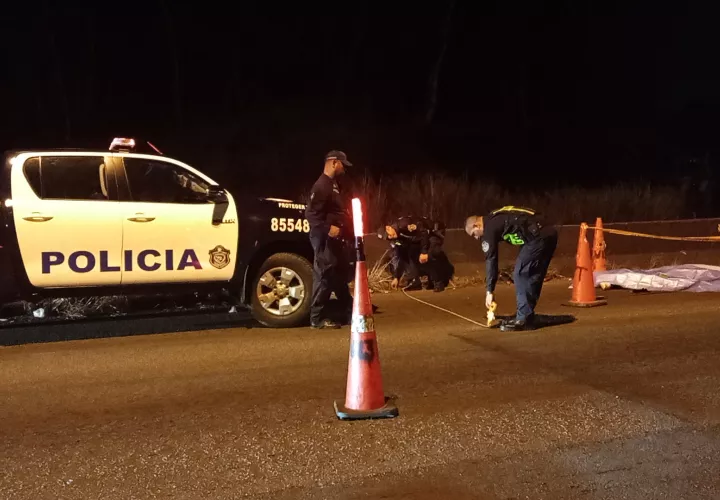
x,y
282,291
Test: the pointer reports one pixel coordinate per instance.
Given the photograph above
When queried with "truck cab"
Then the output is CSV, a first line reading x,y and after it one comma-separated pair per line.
x,y
89,223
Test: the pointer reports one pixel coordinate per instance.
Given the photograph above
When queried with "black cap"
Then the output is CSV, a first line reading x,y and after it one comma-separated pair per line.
x,y
338,155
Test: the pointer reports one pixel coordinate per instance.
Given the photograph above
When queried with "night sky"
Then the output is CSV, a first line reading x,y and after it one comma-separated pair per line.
x,y
531,95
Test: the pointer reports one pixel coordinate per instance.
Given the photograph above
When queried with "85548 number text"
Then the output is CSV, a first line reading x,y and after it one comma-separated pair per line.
x,y
286,225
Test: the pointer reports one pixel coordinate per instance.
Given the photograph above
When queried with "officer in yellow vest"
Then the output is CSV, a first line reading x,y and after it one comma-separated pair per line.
x,y
520,227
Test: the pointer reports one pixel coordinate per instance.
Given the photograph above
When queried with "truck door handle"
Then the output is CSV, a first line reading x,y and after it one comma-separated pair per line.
x,y
141,218
36,217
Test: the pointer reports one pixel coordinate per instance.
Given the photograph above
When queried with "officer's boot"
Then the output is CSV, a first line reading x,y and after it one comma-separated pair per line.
x,y
435,281
325,324
415,284
519,325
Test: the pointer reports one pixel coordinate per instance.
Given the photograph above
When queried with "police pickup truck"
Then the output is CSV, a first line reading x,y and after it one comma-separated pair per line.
x,y
118,222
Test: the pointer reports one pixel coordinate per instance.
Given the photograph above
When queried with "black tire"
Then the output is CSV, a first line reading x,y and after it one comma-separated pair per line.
x,y
303,269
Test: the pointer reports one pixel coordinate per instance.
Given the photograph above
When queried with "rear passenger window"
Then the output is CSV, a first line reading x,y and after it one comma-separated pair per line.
x,y
31,169
72,178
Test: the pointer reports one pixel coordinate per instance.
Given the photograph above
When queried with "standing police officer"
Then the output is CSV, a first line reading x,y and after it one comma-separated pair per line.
x,y
417,248
521,227
329,225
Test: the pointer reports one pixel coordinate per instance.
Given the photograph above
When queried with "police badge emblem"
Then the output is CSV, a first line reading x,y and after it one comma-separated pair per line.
x,y
485,246
219,257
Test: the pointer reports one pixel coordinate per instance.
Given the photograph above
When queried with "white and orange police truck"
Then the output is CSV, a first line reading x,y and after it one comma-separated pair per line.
x,y
95,223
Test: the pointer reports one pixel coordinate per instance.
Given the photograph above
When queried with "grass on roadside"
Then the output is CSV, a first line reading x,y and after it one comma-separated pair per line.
x,y
452,199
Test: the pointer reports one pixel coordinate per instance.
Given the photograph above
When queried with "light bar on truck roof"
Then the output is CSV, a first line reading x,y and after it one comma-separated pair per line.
x,y
122,144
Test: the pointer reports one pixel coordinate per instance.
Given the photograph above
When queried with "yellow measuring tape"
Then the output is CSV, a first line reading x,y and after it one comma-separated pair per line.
x,y
449,312
656,237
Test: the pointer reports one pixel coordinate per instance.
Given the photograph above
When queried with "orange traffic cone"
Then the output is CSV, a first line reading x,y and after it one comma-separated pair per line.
x,y
583,294
598,254
364,396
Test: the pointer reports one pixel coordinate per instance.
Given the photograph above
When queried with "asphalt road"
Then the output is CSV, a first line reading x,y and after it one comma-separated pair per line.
x,y
622,403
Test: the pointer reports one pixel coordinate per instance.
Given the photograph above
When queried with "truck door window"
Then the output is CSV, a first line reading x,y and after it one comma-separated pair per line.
x,y
31,169
159,182
71,178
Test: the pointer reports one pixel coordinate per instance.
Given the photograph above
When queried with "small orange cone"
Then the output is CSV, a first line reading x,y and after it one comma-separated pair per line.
x,y
583,294
598,254
364,396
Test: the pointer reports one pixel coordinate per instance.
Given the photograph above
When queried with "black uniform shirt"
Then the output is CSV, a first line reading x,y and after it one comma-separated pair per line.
x,y
514,225
326,205
417,236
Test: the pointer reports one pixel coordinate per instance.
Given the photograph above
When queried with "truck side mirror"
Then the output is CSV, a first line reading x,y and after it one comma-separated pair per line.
x,y
216,194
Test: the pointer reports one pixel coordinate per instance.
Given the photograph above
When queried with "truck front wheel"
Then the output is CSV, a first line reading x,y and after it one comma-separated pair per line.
x,y
282,291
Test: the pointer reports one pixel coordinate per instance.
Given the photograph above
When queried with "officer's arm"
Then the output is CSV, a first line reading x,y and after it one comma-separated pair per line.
x,y
400,267
424,240
490,247
316,212
400,227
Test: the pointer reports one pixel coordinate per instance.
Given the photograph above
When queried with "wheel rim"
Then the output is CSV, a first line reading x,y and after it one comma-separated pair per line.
x,y
280,291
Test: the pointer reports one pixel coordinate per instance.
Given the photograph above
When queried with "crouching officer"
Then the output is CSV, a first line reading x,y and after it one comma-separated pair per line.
x,y
329,222
521,227
417,249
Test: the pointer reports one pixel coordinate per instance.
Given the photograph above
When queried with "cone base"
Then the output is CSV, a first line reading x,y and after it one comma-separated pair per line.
x,y
599,301
389,410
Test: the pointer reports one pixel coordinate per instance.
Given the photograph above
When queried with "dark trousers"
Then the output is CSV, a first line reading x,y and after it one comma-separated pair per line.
x,y
404,262
530,270
438,268
330,274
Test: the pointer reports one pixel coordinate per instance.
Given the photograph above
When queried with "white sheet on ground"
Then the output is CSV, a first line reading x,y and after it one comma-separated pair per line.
x,y
687,277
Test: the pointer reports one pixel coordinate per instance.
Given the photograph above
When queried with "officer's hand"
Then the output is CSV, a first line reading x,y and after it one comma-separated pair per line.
x,y
334,232
489,299
423,258
394,284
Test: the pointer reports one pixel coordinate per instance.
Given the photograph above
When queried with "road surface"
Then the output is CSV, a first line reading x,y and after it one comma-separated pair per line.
x,y
622,403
